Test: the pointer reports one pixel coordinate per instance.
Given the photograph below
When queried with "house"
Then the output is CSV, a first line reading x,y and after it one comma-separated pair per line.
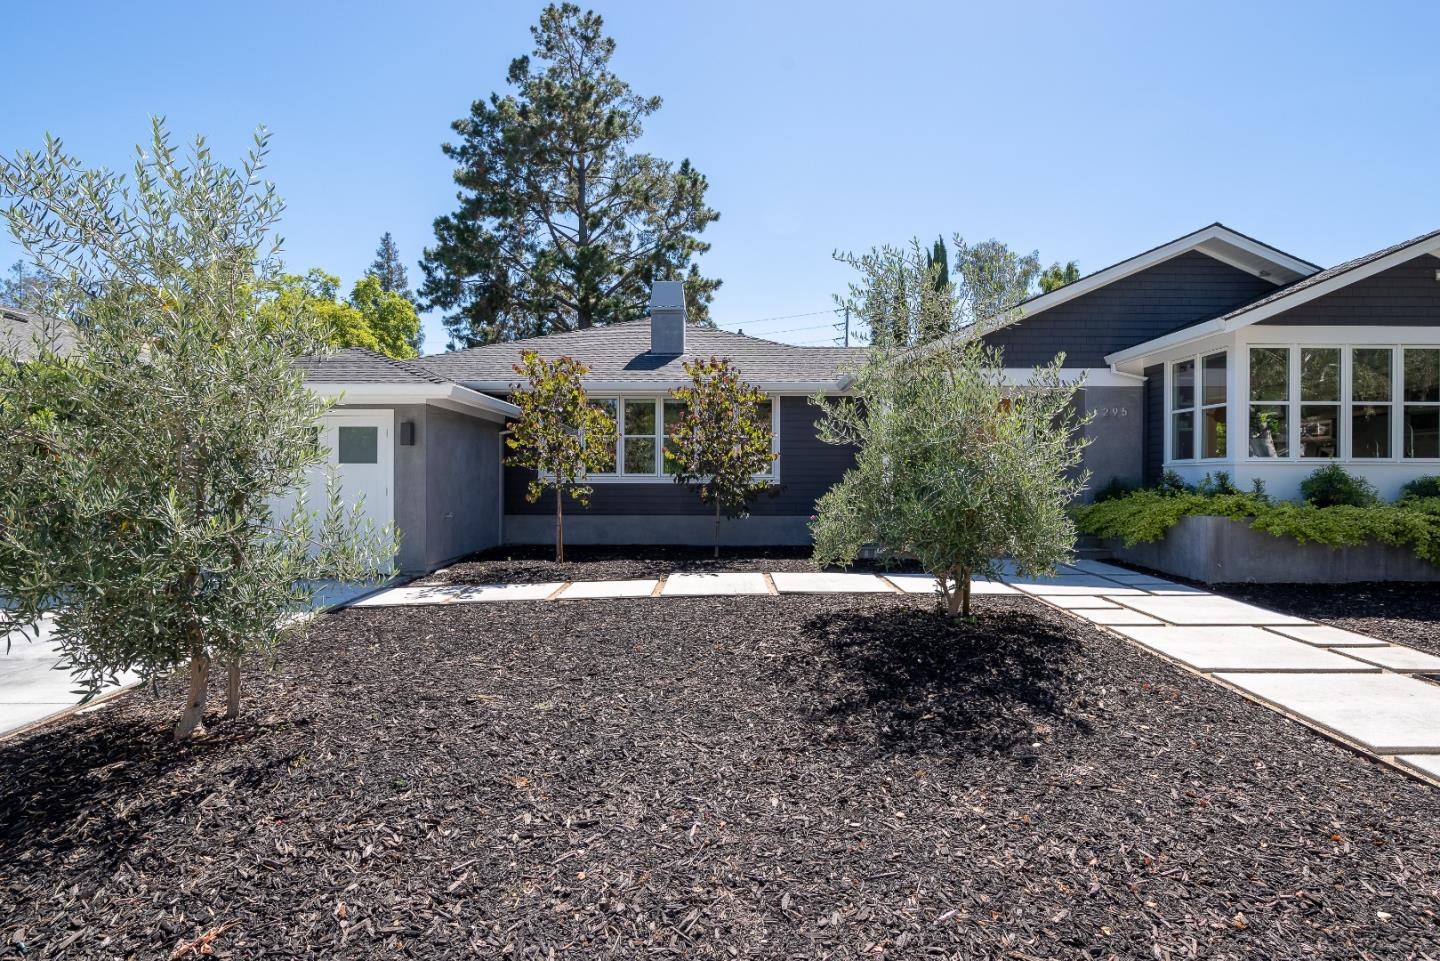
x,y
1217,352
24,334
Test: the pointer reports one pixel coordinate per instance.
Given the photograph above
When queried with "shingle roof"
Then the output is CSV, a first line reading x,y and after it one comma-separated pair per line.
x,y
22,332
621,353
356,365
1324,275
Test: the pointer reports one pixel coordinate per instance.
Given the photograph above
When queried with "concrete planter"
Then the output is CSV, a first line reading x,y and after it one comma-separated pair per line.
x,y
1217,550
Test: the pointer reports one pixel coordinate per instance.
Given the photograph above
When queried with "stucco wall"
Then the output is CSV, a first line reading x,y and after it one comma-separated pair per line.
x,y
1116,435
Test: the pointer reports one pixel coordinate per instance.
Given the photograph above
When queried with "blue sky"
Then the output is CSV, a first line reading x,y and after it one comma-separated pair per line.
x,y
1087,132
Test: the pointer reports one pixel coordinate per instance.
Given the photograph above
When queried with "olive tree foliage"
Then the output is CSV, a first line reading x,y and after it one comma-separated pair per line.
x,y
560,434
955,468
720,439
141,464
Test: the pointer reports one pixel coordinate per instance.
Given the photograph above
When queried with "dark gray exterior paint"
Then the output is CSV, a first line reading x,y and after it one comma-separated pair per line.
x,y
808,468
1116,435
1406,295
1154,435
1181,291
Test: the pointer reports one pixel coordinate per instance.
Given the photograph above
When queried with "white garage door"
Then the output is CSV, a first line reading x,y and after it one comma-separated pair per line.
x,y
360,453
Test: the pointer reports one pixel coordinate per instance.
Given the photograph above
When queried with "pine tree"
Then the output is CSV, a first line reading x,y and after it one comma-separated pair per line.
x,y
389,269
560,227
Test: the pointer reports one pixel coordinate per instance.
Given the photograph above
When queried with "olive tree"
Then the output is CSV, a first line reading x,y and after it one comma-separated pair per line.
x,y
142,461
560,434
719,439
955,467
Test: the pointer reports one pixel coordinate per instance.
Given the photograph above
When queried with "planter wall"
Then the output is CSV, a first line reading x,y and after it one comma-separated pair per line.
x,y
1217,550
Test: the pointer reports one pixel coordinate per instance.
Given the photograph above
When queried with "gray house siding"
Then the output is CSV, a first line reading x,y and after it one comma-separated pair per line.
x,y
667,512
1116,435
1181,291
1154,424
1406,295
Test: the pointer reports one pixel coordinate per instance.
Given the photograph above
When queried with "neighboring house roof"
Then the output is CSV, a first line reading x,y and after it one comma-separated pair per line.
x,y
355,376
619,358
1292,295
23,333
1215,240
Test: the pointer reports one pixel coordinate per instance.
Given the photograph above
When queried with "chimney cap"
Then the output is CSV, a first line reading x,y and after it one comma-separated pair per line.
x,y
667,295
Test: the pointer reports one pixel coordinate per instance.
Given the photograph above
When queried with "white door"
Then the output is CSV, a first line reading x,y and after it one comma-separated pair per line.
x,y
360,454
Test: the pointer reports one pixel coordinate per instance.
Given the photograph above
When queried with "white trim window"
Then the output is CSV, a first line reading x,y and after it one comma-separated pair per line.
x,y
1420,420
1269,402
1320,403
1198,407
1372,391
642,423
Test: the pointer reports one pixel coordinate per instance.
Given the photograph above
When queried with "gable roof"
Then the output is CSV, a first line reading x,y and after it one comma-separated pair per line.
x,y
1292,295
358,365
1215,240
619,357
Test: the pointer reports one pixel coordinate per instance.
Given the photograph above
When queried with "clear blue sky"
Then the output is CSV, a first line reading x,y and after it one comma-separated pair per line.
x,y
1087,131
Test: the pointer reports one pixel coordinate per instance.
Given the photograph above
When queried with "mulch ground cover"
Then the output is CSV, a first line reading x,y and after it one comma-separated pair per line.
x,y
757,777
536,564
1401,612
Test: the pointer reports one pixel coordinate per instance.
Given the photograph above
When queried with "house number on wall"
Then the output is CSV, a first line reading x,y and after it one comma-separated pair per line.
x,y
1112,412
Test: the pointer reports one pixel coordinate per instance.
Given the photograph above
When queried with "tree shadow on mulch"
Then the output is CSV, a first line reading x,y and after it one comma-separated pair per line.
x,y
914,679
92,788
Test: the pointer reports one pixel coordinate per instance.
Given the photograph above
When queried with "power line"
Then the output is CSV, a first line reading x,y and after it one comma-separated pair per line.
x,y
813,313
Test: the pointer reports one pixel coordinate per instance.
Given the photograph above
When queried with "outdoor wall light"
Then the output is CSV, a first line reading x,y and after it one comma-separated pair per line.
x,y
407,433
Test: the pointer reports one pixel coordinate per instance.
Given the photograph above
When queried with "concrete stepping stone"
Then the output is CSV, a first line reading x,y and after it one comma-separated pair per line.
x,y
1427,764
829,582
1075,602
925,584
1204,609
413,595
1072,584
485,593
599,590
1099,567
1385,713
1323,635
714,585
1119,615
1407,660
1211,649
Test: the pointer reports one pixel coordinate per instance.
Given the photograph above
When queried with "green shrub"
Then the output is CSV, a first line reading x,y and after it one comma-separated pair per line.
x,y
1428,486
1217,483
1172,483
1115,488
1334,486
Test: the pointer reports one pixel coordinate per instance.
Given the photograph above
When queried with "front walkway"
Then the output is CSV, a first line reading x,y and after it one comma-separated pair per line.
x,y
1360,690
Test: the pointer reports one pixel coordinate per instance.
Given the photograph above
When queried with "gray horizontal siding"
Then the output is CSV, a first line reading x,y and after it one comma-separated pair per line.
x,y
1183,290
1406,295
1154,424
808,468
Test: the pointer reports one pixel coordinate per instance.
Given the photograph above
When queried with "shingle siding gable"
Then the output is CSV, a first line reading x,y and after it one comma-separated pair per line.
x,y
1184,290
1406,295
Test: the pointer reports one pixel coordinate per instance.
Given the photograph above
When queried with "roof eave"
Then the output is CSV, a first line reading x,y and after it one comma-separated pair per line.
x,y
453,396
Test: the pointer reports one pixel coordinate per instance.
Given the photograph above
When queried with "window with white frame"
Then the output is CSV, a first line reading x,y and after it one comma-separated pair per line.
x,y
1198,407
1420,420
643,428
1362,402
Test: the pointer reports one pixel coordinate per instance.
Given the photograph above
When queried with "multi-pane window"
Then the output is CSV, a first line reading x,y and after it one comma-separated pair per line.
x,y
1420,421
1371,389
1197,409
644,426
1320,402
1269,402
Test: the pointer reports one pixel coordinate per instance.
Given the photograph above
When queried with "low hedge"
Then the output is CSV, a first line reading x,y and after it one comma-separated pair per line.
x,y
1146,515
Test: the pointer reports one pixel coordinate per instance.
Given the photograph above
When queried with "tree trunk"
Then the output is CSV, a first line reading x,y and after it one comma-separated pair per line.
x,y
193,717
232,688
559,525
964,586
717,530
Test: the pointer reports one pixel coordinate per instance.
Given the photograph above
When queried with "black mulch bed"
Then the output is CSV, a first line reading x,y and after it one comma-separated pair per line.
x,y
1401,612
534,565
776,777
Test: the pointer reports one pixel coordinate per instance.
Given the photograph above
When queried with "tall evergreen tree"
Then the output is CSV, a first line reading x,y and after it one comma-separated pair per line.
x,y
560,226
389,269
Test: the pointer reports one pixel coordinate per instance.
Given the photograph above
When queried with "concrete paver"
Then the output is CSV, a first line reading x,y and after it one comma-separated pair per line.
x,y
1074,584
1213,649
1323,635
599,590
485,593
827,582
1117,616
1406,660
1075,602
1385,713
712,585
413,594
1202,609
